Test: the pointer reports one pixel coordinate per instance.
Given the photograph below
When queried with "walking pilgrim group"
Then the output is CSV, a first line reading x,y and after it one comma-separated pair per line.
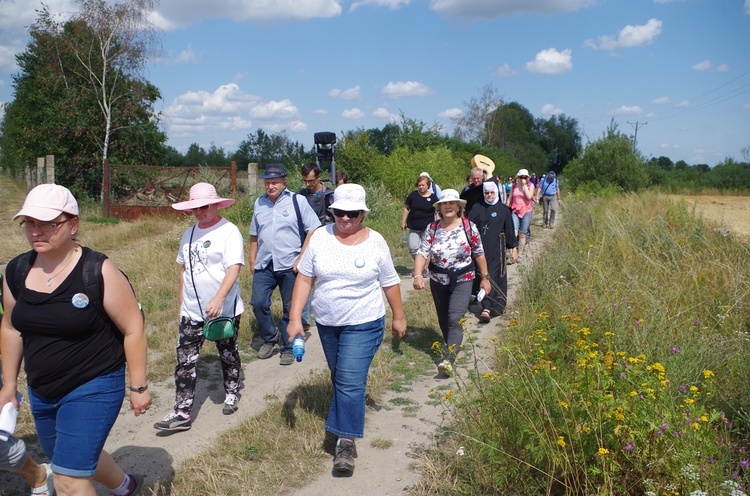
x,y
76,338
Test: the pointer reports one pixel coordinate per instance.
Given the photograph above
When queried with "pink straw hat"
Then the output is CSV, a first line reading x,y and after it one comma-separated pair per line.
x,y
202,194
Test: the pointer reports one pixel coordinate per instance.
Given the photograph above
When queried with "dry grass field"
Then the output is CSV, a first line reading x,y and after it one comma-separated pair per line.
x,y
730,212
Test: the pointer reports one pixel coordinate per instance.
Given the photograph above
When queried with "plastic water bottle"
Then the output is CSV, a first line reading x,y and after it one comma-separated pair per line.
x,y
298,348
405,236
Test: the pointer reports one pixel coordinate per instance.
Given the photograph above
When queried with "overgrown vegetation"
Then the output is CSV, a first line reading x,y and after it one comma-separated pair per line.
x,y
624,371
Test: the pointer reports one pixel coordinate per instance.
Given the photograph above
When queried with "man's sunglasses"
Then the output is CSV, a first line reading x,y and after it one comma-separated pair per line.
x,y
352,214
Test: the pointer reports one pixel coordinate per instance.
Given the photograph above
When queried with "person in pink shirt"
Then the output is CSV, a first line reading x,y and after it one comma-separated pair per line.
x,y
521,204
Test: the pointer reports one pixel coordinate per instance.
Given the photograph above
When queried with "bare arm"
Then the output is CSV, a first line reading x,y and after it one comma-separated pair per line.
x,y
393,295
11,349
252,253
481,262
302,287
215,304
122,307
404,215
419,265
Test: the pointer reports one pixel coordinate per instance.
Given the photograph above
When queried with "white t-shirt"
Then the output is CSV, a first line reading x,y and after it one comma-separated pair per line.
x,y
212,251
348,279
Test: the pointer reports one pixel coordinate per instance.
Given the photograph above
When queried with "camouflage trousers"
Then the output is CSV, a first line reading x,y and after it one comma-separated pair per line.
x,y
189,346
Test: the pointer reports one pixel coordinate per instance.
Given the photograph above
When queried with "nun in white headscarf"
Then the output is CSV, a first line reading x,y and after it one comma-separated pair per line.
x,y
495,223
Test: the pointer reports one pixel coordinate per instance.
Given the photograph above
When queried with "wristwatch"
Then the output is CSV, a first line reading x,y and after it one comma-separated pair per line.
x,y
140,389
485,276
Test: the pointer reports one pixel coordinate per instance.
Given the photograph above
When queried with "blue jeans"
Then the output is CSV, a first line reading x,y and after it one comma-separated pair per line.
x,y
72,429
349,351
264,282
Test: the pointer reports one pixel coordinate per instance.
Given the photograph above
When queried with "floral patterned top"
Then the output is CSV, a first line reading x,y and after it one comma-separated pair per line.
x,y
450,250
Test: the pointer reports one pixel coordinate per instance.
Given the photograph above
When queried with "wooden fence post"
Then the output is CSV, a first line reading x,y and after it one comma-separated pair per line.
x,y
252,178
49,164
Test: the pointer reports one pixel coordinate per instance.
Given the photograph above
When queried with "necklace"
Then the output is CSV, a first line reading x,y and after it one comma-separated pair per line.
x,y
49,279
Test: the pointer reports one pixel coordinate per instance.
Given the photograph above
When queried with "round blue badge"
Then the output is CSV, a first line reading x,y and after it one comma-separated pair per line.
x,y
493,214
359,263
206,244
285,213
80,300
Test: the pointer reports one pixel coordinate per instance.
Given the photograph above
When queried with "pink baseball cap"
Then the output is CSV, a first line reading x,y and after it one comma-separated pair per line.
x,y
47,201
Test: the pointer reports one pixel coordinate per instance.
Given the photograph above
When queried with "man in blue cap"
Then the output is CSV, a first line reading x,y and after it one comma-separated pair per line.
x,y
548,192
281,225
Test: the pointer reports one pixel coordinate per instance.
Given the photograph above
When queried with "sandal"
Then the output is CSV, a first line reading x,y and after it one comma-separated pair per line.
x,y
485,316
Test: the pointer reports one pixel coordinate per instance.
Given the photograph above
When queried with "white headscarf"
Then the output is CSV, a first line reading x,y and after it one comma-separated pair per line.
x,y
491,186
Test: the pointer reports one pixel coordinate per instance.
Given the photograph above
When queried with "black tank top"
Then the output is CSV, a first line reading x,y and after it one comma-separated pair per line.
x,y
64,346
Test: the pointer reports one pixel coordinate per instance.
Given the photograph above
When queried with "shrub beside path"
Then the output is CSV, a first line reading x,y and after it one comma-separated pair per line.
x,y
139,448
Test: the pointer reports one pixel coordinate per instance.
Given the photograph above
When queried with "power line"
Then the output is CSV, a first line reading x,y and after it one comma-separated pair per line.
x,y
636,125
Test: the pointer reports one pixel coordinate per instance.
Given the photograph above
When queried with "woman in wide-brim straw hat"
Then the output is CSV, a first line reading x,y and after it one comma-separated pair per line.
x,y
211,255
351,267
74,356
454,251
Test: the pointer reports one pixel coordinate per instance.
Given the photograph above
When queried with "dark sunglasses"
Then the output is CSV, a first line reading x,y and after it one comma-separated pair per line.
x,y
352,214
204,207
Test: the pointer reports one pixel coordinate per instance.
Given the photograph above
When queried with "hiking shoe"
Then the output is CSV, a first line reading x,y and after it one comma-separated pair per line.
x,y
230,404
48,488
256,343
346,451
266,351
174,422
136,483
445,368
286,359
485,316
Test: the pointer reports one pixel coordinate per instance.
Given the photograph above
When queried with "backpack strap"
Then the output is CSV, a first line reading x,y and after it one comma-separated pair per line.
x,y
467,229
300,225
17,270
93,281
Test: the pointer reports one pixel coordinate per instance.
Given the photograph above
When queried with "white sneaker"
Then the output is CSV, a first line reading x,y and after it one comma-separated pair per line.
x,y
48,489
230,404
445,368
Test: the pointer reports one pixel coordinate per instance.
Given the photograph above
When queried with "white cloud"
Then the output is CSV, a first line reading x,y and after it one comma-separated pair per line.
x,y
551,61
187,55
451,113
391,4
174,14
353,113
320,112
405,89
226,109
627,37
505,71
489,9
662,100
350,94
273,110
8,57
669,146
702,66
549,109
627,110
683,104
722,68
385,114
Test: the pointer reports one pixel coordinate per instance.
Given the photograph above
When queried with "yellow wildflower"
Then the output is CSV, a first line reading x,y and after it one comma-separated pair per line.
x,y
564,404
448,396
707,374
561,441
603,451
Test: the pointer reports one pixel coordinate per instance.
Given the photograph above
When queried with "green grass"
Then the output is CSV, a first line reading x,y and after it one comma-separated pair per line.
x,y
624,372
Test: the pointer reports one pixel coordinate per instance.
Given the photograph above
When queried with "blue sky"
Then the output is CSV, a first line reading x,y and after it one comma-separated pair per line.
x,y
678,69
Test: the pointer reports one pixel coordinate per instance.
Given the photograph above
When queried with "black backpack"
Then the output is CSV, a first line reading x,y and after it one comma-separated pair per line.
x,y
93,281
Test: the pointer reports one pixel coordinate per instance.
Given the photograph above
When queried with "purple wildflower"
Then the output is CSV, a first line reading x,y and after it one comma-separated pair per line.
x,y
696,322
629,446
676,350
664,426
744,463
683,389
622,374
710,459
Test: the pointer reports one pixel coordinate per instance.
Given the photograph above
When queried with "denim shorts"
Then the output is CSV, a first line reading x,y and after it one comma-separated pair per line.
x,y
72,429
522,225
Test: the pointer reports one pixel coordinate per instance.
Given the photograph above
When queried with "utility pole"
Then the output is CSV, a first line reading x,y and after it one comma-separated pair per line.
x,y
636,125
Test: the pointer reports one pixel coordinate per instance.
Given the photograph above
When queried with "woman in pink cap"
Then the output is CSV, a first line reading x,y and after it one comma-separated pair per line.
x,y
211,255
74,354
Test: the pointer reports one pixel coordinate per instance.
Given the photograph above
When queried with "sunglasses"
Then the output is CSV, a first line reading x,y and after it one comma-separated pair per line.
x,y
352,214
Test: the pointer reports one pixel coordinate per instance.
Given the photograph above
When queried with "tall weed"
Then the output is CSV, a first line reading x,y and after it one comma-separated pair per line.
x,y
625,369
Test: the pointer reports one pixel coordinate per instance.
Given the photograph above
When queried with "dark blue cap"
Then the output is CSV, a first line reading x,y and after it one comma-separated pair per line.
x,y
273,171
